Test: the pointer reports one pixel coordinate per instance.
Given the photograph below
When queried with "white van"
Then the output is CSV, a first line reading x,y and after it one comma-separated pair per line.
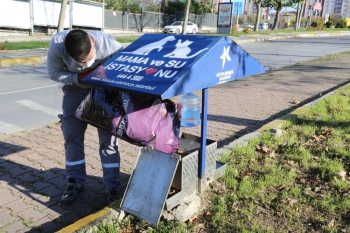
x,y
263,26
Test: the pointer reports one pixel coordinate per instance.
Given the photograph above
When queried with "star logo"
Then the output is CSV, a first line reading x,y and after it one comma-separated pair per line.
x,y
225,56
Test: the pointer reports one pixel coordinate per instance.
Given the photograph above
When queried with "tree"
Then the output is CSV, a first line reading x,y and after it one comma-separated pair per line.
x,y
207,6
258,8
174,6
277,5
60,27
187,12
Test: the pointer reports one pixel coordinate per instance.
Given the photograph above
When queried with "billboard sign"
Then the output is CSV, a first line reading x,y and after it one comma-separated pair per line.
x,y
224,14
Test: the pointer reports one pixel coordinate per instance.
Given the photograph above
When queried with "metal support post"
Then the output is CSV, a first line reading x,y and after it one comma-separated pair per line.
x,y
202,149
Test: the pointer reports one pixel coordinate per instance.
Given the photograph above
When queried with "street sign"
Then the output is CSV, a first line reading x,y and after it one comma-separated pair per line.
x,y
317,6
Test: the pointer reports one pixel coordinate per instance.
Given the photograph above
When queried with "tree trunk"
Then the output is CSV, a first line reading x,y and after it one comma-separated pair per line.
x,y
187,11
62,16
302,8
278,10
258,7
297,17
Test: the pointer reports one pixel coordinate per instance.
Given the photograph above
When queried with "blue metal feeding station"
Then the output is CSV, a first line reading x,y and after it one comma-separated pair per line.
x,y
164,66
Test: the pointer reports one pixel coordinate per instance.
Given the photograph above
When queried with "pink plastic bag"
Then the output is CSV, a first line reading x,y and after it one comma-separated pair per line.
x,y
140,120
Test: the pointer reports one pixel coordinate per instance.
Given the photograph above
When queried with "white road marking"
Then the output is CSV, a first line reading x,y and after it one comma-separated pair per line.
x,y
31,89
7,128
38,107
263,51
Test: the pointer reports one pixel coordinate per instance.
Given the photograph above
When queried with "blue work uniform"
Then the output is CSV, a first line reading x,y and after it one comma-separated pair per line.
x,y
62,68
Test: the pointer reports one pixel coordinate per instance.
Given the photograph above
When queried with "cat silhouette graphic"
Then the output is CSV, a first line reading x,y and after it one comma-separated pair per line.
x,y
182,50
158,45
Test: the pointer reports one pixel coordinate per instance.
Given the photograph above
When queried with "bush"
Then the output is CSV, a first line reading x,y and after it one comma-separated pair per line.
x,y
234,30
329,24
318,24
246,30
341,23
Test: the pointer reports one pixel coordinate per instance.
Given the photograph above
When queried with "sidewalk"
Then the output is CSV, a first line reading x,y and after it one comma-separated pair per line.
x,y
32,175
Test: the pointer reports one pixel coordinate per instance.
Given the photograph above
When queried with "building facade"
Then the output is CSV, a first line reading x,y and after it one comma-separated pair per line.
x,y
338,8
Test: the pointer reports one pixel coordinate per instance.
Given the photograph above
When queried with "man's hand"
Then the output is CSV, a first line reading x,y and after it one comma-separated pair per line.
x,y
99,72
83,75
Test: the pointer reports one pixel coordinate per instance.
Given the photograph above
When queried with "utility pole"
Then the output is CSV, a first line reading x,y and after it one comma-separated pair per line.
x,y
62,16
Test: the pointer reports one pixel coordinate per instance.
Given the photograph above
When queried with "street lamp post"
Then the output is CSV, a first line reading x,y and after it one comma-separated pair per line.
x,y
127,16
141,18
237,15
159,5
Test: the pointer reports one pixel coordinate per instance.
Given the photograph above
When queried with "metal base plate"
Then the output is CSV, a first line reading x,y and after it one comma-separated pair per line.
x,y
149,185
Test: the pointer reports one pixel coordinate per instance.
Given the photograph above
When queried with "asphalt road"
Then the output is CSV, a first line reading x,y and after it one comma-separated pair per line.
x,y
30,100
281,53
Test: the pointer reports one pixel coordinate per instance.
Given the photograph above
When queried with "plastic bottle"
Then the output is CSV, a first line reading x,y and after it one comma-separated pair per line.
x,y
191,110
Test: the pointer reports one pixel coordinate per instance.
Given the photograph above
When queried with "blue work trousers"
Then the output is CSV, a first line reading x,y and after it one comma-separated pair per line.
x,y
73,131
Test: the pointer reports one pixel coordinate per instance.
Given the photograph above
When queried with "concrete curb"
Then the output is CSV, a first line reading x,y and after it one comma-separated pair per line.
x,y
20,61
89,223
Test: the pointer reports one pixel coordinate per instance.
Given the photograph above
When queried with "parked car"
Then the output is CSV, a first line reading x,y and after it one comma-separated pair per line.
x,y
248,25
176,27
263,25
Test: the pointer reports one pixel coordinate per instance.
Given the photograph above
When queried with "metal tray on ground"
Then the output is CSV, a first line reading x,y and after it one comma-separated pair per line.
x,y
149,185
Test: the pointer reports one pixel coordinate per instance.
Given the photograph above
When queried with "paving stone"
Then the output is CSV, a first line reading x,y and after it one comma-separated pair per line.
x,y
65,220
5,152
91,196
45,224
31,214
42,202
127,167
25,196
6,167
95,184
7,197
7,218
16,227
48,163
15,207
51,191
47,175
59,181
5,181
40,185
90,151
34,156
